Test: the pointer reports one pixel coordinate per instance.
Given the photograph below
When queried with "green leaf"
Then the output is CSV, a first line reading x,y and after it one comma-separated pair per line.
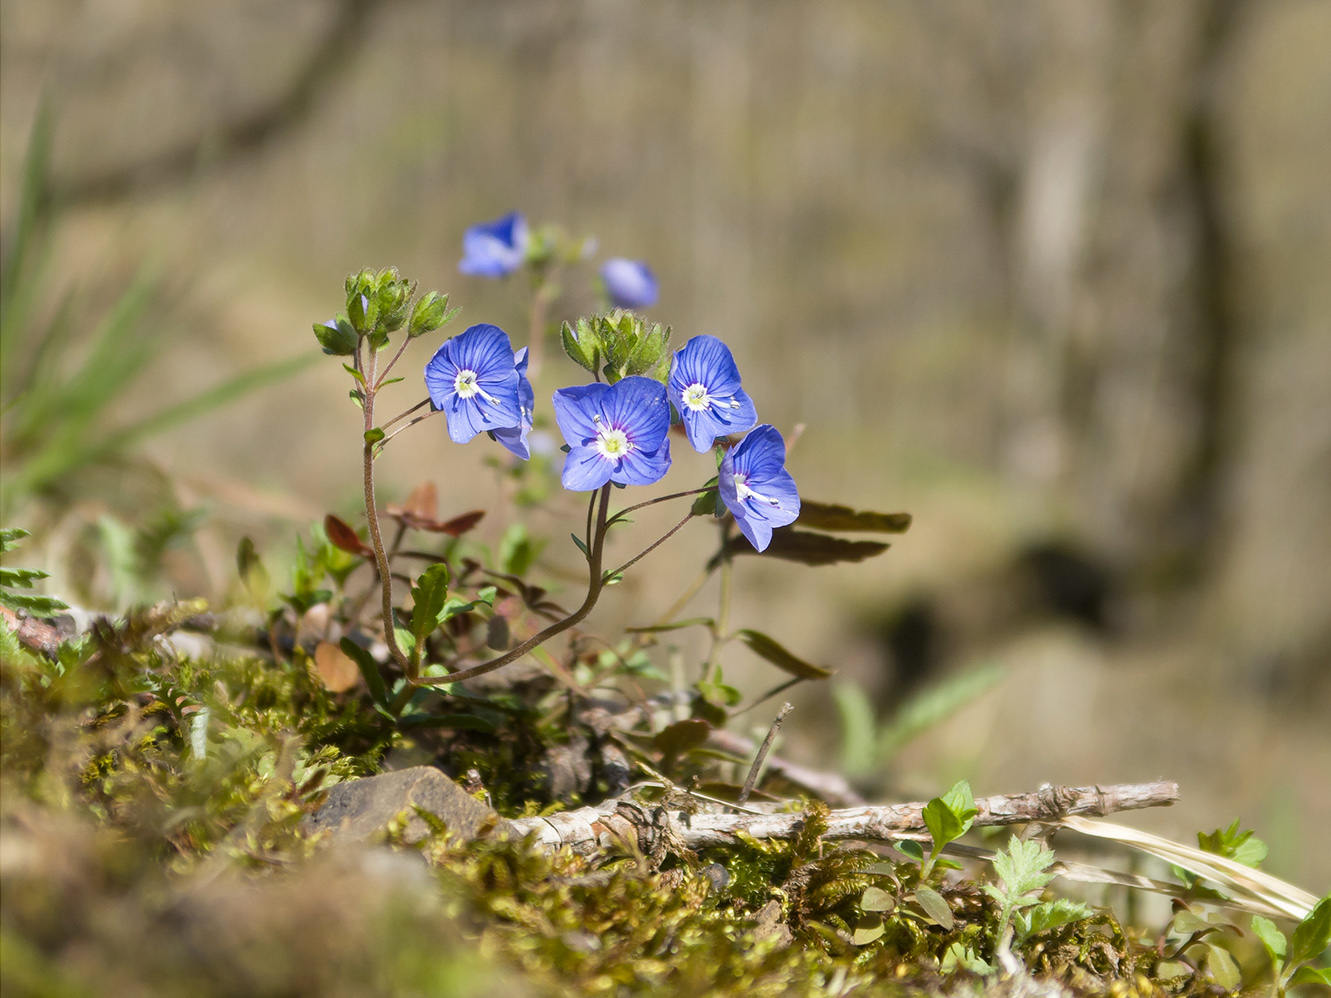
x,y
672,626
1234,844
962,802
1272,938
876,899
369,670
1311,936
933,705
374,436
581,344
765,647
706,504
806,547
1311,975
429,596
826,516
943,824
934,906
1022,867
1168,970
21,578
911,848
456,606
34,606
1222,967
959,957
1188,922
681,736
867,931
1051,915
10,536
337,338
428,314
581,546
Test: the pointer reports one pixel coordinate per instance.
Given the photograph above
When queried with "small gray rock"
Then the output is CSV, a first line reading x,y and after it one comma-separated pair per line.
x,y
359,809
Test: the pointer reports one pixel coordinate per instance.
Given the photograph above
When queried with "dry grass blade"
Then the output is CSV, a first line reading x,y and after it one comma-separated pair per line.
x,y
1244,881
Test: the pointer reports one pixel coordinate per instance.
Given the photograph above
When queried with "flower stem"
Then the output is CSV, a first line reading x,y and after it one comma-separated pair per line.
x,y
372,517
404,415
383,375
594,587
651,547
652,502
407,426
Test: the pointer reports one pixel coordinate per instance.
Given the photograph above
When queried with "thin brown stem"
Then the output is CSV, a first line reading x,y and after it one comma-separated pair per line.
x,y
372,517
383,375
652,502
404,415
594,587
651,547
407,426
762,754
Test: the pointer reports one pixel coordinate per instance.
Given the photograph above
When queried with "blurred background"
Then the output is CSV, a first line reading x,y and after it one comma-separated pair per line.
x,y
1053,277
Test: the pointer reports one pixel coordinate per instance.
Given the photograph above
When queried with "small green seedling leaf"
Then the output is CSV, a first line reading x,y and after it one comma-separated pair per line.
x,y
876,899
935,906
1311,975
1222,967
1051,915
911,848
429,596
868,931
1272,938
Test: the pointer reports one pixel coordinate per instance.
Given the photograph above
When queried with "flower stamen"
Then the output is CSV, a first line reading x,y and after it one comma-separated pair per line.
x,y
696,397
612,444
743,492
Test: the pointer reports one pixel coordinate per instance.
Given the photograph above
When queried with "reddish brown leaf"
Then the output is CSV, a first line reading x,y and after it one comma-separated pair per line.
x,y
422,505
459,525
340,535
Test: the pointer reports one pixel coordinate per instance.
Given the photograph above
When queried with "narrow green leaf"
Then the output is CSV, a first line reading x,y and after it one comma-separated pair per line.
x,y
581,546
672,626
828,516
806,547
21,578
765,647
369,670
10,536
35,606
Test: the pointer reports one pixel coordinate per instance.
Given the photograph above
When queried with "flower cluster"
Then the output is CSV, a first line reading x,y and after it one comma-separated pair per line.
x,y
617,432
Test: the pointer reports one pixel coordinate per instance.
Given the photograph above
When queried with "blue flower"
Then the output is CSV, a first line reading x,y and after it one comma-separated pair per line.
x,y
515,437
474,379
704,385
756,487
495,249
629,283
615,433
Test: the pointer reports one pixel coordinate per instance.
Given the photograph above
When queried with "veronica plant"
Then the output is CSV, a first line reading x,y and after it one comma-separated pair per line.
x,y
616,430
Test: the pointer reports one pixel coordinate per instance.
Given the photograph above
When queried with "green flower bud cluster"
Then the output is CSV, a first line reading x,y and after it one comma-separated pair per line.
x,y
619,345
379,302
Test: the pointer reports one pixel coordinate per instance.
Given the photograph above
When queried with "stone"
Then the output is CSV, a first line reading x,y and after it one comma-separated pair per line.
x,y
359,809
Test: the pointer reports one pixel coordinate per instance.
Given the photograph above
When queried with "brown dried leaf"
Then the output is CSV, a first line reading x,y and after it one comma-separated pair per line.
x,y
831,516
340,535
459,524
336,670
808,548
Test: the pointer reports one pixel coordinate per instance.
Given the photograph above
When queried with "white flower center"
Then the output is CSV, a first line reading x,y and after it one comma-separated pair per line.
x,y
743,491
466,386
695,397
612,444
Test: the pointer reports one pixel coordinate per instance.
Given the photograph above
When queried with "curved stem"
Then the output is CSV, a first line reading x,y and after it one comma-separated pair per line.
x,y
651,547
372,516
652,502
389,366
407,426
594,588
404,415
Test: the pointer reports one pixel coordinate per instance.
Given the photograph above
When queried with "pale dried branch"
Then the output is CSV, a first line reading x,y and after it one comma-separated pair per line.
x,y
654,829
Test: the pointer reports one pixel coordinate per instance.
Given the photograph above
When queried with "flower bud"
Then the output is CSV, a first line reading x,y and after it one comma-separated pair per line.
x,y
428,314
336,336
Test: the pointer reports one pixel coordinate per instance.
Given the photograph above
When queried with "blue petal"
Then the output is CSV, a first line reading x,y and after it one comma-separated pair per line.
x,y
440,376
515,438
585,469
496,248
640,467
760,457
629,283
638,406
484,349
574,408
708,361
